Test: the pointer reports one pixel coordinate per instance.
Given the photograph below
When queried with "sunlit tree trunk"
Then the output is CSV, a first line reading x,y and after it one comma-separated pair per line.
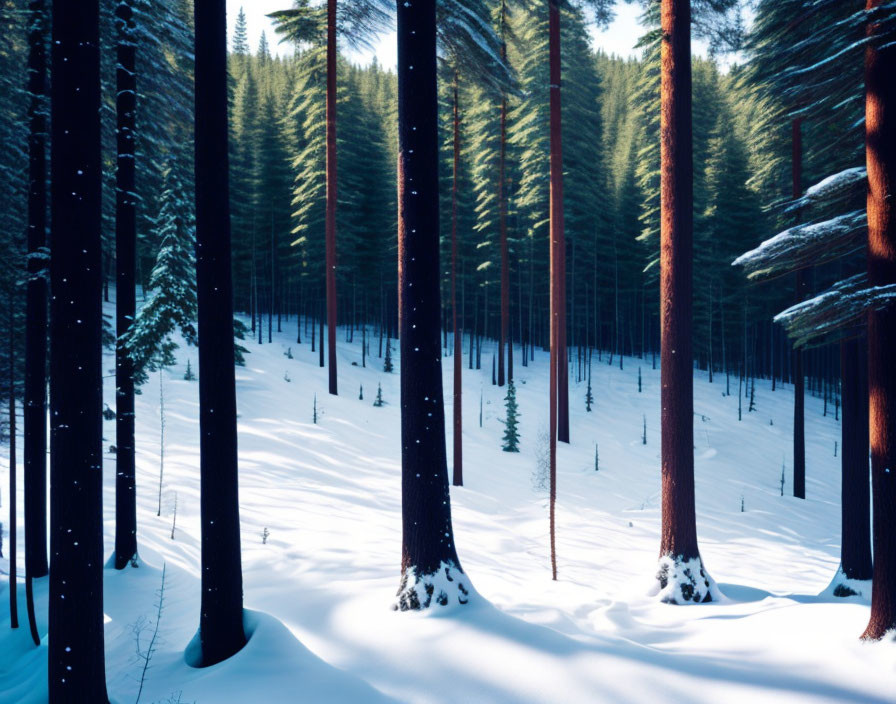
x,y
682,579
880,143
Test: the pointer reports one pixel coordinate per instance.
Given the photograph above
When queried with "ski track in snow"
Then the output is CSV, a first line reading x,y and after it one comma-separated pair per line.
x,y
325,581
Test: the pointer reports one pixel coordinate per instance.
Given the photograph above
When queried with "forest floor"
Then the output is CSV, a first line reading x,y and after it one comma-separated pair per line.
x,y
321,537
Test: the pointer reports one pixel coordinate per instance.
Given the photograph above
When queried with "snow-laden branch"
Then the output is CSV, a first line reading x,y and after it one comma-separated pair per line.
x,y
841,306
832,189
806,245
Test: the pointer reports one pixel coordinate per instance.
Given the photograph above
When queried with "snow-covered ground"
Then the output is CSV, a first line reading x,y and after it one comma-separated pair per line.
x,y
321,549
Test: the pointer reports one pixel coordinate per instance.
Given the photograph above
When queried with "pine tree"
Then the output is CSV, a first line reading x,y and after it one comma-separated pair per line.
x,y
378,401
589,396
240,44
173,305
511,441
387,362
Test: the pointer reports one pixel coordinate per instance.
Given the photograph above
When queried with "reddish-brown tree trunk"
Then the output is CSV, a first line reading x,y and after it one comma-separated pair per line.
x,y
799,433
331,194
679,531
556,256
880,144
458,353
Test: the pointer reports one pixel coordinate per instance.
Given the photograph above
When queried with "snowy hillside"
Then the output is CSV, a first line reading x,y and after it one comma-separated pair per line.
x,y
321,548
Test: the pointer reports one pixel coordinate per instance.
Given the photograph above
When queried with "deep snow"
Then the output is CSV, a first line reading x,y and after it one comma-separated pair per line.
x,y
321,550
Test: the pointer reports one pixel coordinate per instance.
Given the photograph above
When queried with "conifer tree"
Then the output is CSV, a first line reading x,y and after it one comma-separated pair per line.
x,y
173,305
511,441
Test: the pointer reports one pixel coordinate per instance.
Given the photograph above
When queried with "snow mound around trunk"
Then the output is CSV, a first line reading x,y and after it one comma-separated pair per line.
x,y
680,581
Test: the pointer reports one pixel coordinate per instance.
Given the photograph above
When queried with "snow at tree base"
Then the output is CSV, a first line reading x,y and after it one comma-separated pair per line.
x,y
655,294
320,588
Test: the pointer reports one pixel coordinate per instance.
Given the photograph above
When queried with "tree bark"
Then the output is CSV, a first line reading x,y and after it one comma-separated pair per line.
x,y
880,143
557,251
13,490
458,478
855,545
502,210
125,291
679,529
427,536
799,429
35,410
331,195
76,657
221,614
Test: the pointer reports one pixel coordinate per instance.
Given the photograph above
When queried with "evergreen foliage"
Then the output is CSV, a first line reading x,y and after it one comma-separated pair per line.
x,y
172,307
511,440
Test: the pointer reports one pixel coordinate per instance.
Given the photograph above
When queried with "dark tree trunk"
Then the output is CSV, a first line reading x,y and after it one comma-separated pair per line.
x,y
502,209
799,428
679,530
331,194
35,410
13,492
458,478
427,536
221,614
880,141
855,550
125,292
320,320
76,386
557,252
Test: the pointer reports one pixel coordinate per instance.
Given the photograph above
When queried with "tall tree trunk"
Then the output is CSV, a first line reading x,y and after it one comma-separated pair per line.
x,y
13,490
331,194
35,410
880,141
221,613
428,553
799,427
557,252
502,210
458,353
320,320
125,290
855,544
681,576
76,385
